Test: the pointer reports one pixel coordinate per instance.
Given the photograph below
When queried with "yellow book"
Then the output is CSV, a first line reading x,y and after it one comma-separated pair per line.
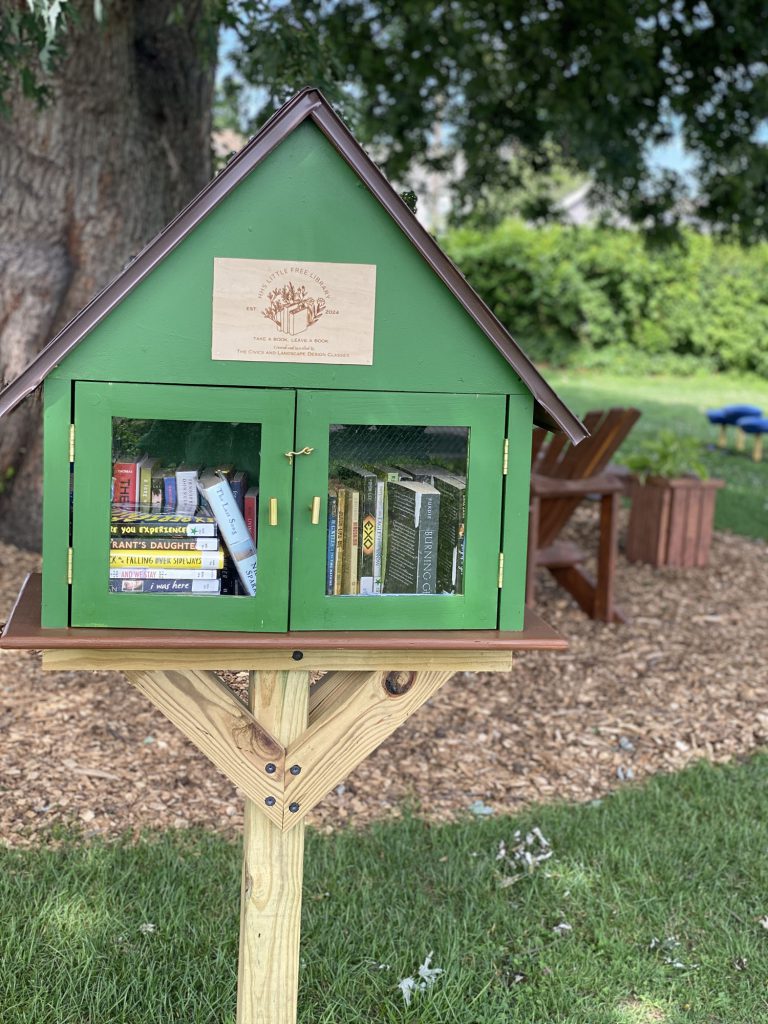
x,y
166,559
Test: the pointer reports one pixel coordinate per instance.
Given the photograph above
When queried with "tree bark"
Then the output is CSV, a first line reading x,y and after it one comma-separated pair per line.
x,y
84,184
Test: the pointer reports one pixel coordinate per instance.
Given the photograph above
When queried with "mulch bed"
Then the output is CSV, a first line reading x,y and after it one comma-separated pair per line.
x,y
687,678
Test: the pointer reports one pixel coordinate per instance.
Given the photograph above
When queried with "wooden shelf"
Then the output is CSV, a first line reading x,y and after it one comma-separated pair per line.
x,y
105,648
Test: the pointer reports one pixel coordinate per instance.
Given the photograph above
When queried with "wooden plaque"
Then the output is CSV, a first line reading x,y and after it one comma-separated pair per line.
x,y
285,311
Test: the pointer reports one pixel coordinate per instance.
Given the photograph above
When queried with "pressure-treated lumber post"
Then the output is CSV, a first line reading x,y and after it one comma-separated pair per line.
x,y
273,864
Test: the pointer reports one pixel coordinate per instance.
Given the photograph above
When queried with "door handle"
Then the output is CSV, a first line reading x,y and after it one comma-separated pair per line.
x,y
315,510
273,511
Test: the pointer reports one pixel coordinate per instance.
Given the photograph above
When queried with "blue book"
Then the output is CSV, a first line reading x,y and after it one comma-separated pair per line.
x,y
330,576
169,490
239,484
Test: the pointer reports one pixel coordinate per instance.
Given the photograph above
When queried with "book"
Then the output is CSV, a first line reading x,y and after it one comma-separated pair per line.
x,y
164,543
166,559
225,469
157,490
384,475
126,522
239,485
146,467
350,566
330,560
453,514
364,482
230,581
232,527
134,573
125,473
251,512
451,531
169,586
187,498
341,520
169,489
412,528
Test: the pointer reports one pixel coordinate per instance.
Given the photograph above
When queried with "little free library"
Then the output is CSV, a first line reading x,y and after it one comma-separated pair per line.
x,y
288,438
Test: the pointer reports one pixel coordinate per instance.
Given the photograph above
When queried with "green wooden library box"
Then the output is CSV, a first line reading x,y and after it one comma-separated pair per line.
x,y
290,412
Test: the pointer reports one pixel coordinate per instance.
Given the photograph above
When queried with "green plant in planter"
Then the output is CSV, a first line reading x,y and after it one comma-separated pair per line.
x,y
669,455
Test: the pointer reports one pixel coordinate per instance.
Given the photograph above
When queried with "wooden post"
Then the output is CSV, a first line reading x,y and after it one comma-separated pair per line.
x,y
273,864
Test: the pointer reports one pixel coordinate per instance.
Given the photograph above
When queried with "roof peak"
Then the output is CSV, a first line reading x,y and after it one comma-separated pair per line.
x,y
308,103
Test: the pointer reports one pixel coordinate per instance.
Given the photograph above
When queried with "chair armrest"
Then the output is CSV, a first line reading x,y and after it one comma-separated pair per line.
x,y
554,487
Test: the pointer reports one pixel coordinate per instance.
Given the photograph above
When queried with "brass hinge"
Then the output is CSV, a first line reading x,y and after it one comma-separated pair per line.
x,y
505,463
69,566
501,569
71,442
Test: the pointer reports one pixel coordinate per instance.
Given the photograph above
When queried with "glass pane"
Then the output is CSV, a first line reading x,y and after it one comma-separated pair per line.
x,y
397,499
184,508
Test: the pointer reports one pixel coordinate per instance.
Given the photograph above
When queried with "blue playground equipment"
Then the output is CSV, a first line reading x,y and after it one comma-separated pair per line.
x,y
730,416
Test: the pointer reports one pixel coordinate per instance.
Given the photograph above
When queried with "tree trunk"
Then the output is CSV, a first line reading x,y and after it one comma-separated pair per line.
x,y
84,184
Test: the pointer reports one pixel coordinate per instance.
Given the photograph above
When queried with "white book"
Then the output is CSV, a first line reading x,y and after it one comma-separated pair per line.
x,y
163,574
232,528
186,489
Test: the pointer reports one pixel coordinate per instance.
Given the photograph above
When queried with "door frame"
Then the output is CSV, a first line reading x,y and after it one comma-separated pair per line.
x,y
477,607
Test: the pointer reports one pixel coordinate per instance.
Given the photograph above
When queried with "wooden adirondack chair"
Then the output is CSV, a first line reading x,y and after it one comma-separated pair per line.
x,y
563,476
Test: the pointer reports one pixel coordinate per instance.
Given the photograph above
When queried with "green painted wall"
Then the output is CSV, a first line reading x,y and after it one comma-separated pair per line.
x,y
303,203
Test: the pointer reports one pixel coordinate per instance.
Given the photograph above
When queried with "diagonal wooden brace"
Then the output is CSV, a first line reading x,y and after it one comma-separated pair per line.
x,y
350,715
204,708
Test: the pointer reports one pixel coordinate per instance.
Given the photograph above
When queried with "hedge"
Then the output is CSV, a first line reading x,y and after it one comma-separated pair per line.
x,y
600,296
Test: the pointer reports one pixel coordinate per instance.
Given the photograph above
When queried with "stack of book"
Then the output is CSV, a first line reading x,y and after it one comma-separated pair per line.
x,y
182,530
395,530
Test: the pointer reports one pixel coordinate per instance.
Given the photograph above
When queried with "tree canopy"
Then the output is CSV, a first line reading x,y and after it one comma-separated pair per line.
x,y
514,87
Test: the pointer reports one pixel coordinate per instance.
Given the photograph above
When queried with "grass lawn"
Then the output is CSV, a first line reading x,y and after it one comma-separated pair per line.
x,y
663,888
679,403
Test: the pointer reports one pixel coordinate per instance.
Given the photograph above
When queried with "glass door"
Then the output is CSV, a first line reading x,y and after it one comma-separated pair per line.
x,y
182,507
397,511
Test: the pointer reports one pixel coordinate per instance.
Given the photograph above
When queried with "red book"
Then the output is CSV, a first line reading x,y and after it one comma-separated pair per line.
x,y
126,491
251,511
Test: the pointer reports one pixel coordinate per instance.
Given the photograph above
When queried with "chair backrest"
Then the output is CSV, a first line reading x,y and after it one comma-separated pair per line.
x,y
560,459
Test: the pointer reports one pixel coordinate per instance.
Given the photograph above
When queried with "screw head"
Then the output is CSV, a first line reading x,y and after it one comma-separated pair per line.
x,y
293,808
270,801
295,769
270,768
297,655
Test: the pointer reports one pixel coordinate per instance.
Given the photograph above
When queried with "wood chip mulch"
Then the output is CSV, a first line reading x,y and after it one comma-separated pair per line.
x,y
687,678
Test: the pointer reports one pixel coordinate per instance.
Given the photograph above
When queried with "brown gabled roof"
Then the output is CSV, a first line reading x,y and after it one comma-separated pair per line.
x,y
549,410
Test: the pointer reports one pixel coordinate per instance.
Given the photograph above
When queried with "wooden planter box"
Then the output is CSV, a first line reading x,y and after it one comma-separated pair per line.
x,y
671,521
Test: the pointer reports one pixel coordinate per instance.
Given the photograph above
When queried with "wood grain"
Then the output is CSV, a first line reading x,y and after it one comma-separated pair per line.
x,y
356,716
238,660
204,708
270,915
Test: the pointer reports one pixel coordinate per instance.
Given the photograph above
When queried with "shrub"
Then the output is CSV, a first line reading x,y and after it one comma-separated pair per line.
x,y
601,297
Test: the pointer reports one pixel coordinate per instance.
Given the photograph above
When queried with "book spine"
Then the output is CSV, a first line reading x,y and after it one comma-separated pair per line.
x,y
166,559
157,502
164,544
126,476
234,532
168,530
239,485
378,541
426,558
186,491
145,487
350,583
169,586
341,527
367,534
251,511
169,492
135,573
330,563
